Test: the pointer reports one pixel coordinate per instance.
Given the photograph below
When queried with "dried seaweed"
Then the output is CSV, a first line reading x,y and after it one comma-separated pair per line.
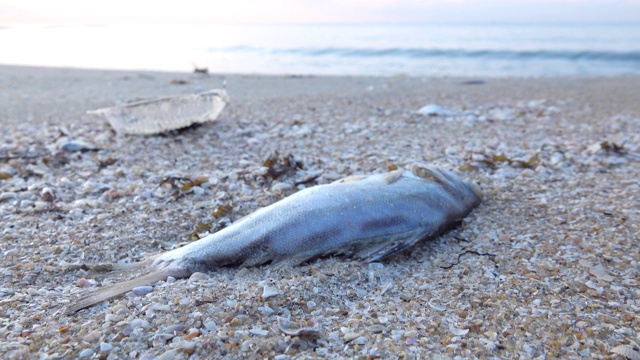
x,y
221,211
106,162
492,162
179,186
199,228
532,163
491,256
613,147
278,166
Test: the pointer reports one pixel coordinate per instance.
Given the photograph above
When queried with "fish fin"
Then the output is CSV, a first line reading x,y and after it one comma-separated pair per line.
x,y
293,260
393,176
110,291
430,173
380,250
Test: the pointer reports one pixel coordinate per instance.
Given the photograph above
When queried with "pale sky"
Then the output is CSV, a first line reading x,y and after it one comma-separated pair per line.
x,y
315,11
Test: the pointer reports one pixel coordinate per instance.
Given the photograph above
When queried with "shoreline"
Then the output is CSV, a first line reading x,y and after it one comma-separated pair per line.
x,y
559,216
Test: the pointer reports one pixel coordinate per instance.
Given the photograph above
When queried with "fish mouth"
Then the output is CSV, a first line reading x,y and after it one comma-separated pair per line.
x,y
476,190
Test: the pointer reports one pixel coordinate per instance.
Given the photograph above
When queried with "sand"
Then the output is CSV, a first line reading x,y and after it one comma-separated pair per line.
x,y
547,266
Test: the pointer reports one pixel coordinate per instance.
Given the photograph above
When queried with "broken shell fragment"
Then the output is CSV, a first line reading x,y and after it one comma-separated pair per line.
x,y
627,351
268,291
600,273
163,114
293,329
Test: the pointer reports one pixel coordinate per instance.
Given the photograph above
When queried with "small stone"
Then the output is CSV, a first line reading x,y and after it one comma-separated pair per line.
x,y
431,110
104,347
360,340
92,336
169,354
376,329
85,353
592,285
142,290
85,283
77,145
47,194
269,291
8,196
197,191
160,307
198,276
189,347
279,187
600,273
175,329
139,323
458,332
247,345
350,336
260,332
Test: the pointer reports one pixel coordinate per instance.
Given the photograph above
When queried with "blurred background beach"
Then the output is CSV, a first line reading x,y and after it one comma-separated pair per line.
x,y
431,38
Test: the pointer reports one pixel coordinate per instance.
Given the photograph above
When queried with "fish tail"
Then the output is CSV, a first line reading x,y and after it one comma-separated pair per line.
x,y
117,289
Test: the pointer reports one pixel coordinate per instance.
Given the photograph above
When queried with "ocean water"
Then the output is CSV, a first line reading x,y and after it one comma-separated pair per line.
x,y
415,49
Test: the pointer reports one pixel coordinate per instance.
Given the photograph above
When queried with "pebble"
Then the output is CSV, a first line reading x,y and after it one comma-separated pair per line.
x,y
268,292
85,353
260,332
92,336
77,145
142,290
210,325
8,196
47,194
85,283
279,187
139,323
169,354
104,347
431,110
198,276
175,328
350,336
360,340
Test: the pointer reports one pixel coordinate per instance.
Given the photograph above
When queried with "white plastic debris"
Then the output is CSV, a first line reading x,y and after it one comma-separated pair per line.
x,y
164,114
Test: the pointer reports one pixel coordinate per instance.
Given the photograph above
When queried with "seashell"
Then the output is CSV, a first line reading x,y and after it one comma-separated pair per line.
x,y
600,273
293,329
269,291
628,351
458,332
163,114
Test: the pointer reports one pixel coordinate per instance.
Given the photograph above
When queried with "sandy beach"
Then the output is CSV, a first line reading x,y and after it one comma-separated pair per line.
x,y
547,266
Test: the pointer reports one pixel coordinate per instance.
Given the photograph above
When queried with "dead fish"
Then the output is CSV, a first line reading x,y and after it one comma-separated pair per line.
x,y
365,217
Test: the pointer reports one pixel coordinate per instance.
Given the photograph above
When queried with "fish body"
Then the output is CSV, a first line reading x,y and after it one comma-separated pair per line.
x,y
367,217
